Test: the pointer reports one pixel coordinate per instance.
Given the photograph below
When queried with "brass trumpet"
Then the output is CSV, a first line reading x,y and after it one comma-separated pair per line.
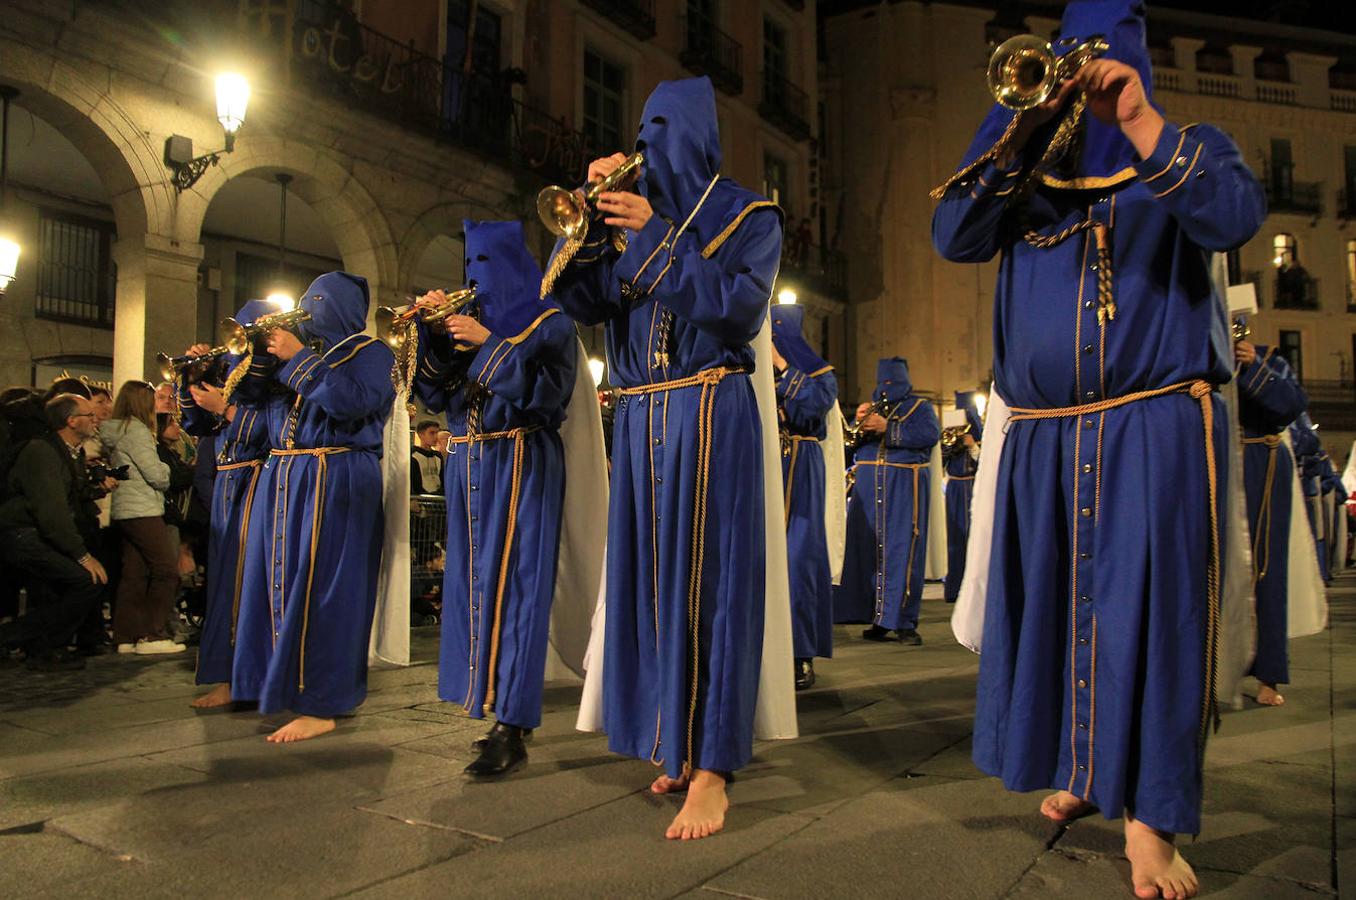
x,y
853,434
237,338
172,368
952,436
1240,328
393,322
1024,71
563,212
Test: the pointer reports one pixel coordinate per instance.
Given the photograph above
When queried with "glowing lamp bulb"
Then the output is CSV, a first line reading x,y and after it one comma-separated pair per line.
x,y
284,302
597,368
9,262
787,297
233,96
981,403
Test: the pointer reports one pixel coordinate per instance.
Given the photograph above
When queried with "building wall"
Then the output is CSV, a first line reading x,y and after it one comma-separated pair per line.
x,y
905,88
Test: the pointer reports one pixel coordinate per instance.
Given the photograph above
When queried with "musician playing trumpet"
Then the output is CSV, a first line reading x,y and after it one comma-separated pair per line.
x,y
234,427
960,461
504,380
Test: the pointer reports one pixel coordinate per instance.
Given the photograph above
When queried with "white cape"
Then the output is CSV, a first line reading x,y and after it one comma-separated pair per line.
x,y
934,567
1307,599
775,715
579,569
835,495
1238,622
390,638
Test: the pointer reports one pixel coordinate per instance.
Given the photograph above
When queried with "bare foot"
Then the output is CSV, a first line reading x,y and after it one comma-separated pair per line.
x,y
666,785
703,813
1267,695
302,728
1156,868
217,696
1063,806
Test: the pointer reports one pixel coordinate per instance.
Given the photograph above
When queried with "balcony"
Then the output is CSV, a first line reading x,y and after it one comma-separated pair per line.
x,y
1346,204
1342,101
1286,195
711,52
1296,290
785,106
1282,93
636,17
1332,403
364,69
814,268
1219,85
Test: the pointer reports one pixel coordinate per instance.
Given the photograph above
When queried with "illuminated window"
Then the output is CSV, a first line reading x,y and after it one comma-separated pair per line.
x,y
1285,251
1351,276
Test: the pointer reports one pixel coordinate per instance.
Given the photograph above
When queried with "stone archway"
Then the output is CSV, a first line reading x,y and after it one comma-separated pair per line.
x,y
445,219
324,183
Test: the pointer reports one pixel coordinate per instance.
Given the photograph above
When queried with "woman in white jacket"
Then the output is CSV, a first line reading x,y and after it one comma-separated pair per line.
x,y
150,575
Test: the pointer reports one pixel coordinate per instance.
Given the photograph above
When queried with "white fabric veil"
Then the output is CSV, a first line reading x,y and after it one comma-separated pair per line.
x,y
390,638
835,496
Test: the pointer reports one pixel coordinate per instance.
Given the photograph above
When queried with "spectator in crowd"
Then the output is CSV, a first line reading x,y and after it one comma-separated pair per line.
x,y
426,469
44,492
150,577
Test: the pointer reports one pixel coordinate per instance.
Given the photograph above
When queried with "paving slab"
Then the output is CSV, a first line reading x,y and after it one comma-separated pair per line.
x,y
37,798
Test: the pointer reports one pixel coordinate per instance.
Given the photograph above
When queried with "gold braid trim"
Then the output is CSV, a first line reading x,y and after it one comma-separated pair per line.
x,y
509,531
1106,300
559,262
992,153
710,249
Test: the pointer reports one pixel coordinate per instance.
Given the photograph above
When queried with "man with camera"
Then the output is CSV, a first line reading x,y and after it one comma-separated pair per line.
x,y
44,494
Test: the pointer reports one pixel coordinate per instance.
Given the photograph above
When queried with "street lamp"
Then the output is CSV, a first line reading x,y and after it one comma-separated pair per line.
x,y
233,96
284,302
981,402
9,249
787,297
597,368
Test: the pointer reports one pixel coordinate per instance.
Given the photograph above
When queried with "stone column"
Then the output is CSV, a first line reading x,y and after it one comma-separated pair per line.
x,y
157,302
1244,58
1184,50
1310,72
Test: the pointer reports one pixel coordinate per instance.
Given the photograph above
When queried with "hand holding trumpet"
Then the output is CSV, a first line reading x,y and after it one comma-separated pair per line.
x,y
620,208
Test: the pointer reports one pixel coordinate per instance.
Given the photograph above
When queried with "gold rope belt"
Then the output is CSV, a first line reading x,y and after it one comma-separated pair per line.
x,y
322,455
258,466
510,529
960,478
493,435
1200,390
791,447
1261,548
704,378
916,468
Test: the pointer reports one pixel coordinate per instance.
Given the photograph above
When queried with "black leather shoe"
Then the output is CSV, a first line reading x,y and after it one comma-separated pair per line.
x,y
503,753
876,633
805,674
911,638
478,745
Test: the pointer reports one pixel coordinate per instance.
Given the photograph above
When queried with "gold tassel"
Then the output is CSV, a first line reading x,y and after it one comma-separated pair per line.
x,y
559,262
238,374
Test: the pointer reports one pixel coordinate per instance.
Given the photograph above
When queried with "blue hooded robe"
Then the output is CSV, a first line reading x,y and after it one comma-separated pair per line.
x,y
887,516
1097,672
1309,457
1269,399
960,469
806,391
316,525
241,447
686,549
504,479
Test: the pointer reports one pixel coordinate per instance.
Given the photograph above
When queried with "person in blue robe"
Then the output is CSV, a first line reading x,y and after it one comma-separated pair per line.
x,y
504,379
1109,341
1308,451
236,427
1269,399
681,274
806,391
316,525
961,461
1334,498
887,518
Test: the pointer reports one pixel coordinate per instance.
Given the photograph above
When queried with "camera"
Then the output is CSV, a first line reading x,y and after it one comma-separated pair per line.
x,y
98,473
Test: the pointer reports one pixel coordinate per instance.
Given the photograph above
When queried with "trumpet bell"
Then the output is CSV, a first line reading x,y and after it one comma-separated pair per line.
x,y
561,211
392,326
165,364
1023,72
233,336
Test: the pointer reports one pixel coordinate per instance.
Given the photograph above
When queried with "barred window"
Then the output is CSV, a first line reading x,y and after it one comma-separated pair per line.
x,y
76,275
604,101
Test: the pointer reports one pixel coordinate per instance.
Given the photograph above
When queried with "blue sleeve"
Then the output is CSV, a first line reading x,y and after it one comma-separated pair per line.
x,y
355,389
915,428
195,420
205,469
806,399
725,295
440,373
1198,173
536,373
585,289
967,225
1269,385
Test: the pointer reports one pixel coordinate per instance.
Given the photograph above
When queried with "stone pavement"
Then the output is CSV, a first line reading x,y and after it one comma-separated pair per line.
x,y
111,786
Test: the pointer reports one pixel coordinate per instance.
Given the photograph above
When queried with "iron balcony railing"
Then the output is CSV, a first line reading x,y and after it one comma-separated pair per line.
x,y
1296,290
635,16
711,52
365,69
1285,194
785,105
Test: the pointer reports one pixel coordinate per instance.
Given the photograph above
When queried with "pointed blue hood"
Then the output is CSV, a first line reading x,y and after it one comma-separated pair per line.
x,y
506,276
1105,152
337,302
892,379
788,334
680,138
965,400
